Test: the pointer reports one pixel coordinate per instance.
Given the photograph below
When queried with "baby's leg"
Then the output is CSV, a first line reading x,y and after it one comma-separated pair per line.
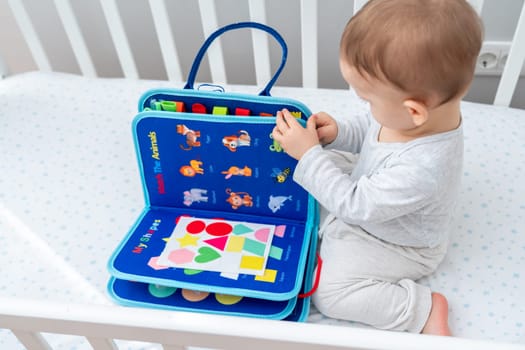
x,y
367,280
437,322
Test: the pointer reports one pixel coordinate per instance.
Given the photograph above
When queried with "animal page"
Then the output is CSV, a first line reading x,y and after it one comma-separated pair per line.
x,y
218,245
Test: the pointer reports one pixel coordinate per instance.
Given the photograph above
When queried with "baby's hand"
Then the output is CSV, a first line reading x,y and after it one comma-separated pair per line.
x,y
326,127
294,139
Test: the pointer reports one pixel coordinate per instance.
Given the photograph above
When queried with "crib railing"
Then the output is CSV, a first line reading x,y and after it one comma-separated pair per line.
x,y
208,19
180,330
208,16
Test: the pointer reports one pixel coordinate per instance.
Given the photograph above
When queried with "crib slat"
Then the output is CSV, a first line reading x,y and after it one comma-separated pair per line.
x,y
166,41
215,55
30,340
515,60
102,344
30,36
309,42
76,39
261,52
120,40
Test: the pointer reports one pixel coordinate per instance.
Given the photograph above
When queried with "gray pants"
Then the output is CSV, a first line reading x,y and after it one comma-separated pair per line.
x,y
367,280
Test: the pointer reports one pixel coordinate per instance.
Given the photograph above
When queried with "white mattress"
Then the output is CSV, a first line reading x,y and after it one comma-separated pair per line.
x,y
70,190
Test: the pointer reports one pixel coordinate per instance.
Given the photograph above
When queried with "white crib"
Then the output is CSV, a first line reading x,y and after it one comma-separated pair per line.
x,y
69,191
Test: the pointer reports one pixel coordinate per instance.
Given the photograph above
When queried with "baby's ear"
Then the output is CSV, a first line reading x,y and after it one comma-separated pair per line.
x,y
418,111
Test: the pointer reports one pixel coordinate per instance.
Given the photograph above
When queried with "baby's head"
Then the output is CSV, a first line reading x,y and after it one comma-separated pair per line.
x,y
425,48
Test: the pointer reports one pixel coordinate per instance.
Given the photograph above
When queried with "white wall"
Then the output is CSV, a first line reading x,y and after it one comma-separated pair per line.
x,y
500,18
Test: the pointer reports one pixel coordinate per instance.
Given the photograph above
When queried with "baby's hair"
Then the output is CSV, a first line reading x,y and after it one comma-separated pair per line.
x,y
426,48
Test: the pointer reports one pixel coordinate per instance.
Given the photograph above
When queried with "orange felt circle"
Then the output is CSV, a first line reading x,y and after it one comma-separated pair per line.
x,y
194,295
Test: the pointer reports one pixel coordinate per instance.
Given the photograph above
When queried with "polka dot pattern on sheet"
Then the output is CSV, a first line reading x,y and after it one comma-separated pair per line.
x,y
70,191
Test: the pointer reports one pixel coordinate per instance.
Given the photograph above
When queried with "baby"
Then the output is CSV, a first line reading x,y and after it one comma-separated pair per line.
x,y
387,181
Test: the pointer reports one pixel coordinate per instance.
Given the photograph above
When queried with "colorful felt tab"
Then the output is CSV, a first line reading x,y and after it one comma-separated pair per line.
x,y
198,108
220,110
279,230
155,105
180,106
242,111
276,252
169,106
268,276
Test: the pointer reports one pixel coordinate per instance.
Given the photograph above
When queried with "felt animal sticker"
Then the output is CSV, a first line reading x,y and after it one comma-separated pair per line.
x,y
191,136
234,170
279,175
193,169
238,199
275,146
195,195
276,202
233,142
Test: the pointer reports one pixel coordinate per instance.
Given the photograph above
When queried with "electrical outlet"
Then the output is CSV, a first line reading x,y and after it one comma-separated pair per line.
x,y
488,61
492,58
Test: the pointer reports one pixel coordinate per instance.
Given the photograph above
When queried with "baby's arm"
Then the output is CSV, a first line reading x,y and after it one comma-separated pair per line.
x,y
291,135
326,127
344,134
381,196
350,132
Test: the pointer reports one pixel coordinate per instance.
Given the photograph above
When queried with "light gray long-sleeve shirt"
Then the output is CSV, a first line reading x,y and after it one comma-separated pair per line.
x,y
402,193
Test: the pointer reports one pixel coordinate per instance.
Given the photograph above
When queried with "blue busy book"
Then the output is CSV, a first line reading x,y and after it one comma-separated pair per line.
x,y
225,229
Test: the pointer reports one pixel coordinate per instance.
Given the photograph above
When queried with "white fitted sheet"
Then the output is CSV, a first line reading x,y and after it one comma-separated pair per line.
x,y
70,190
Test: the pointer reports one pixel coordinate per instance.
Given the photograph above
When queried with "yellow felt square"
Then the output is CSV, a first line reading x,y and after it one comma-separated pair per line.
x,y
268,276
252,262
235,244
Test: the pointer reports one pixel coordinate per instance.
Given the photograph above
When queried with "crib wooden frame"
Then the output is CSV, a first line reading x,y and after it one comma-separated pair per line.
x,y
179,330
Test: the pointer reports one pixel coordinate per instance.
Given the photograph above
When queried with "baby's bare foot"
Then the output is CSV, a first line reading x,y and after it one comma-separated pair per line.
x,y
437,322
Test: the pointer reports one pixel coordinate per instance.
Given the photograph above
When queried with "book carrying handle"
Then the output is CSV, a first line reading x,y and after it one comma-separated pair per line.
x,y
317,278
254,25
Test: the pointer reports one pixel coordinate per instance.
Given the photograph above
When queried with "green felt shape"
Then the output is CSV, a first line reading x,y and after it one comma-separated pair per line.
x,y
241,229
254,247
206,254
